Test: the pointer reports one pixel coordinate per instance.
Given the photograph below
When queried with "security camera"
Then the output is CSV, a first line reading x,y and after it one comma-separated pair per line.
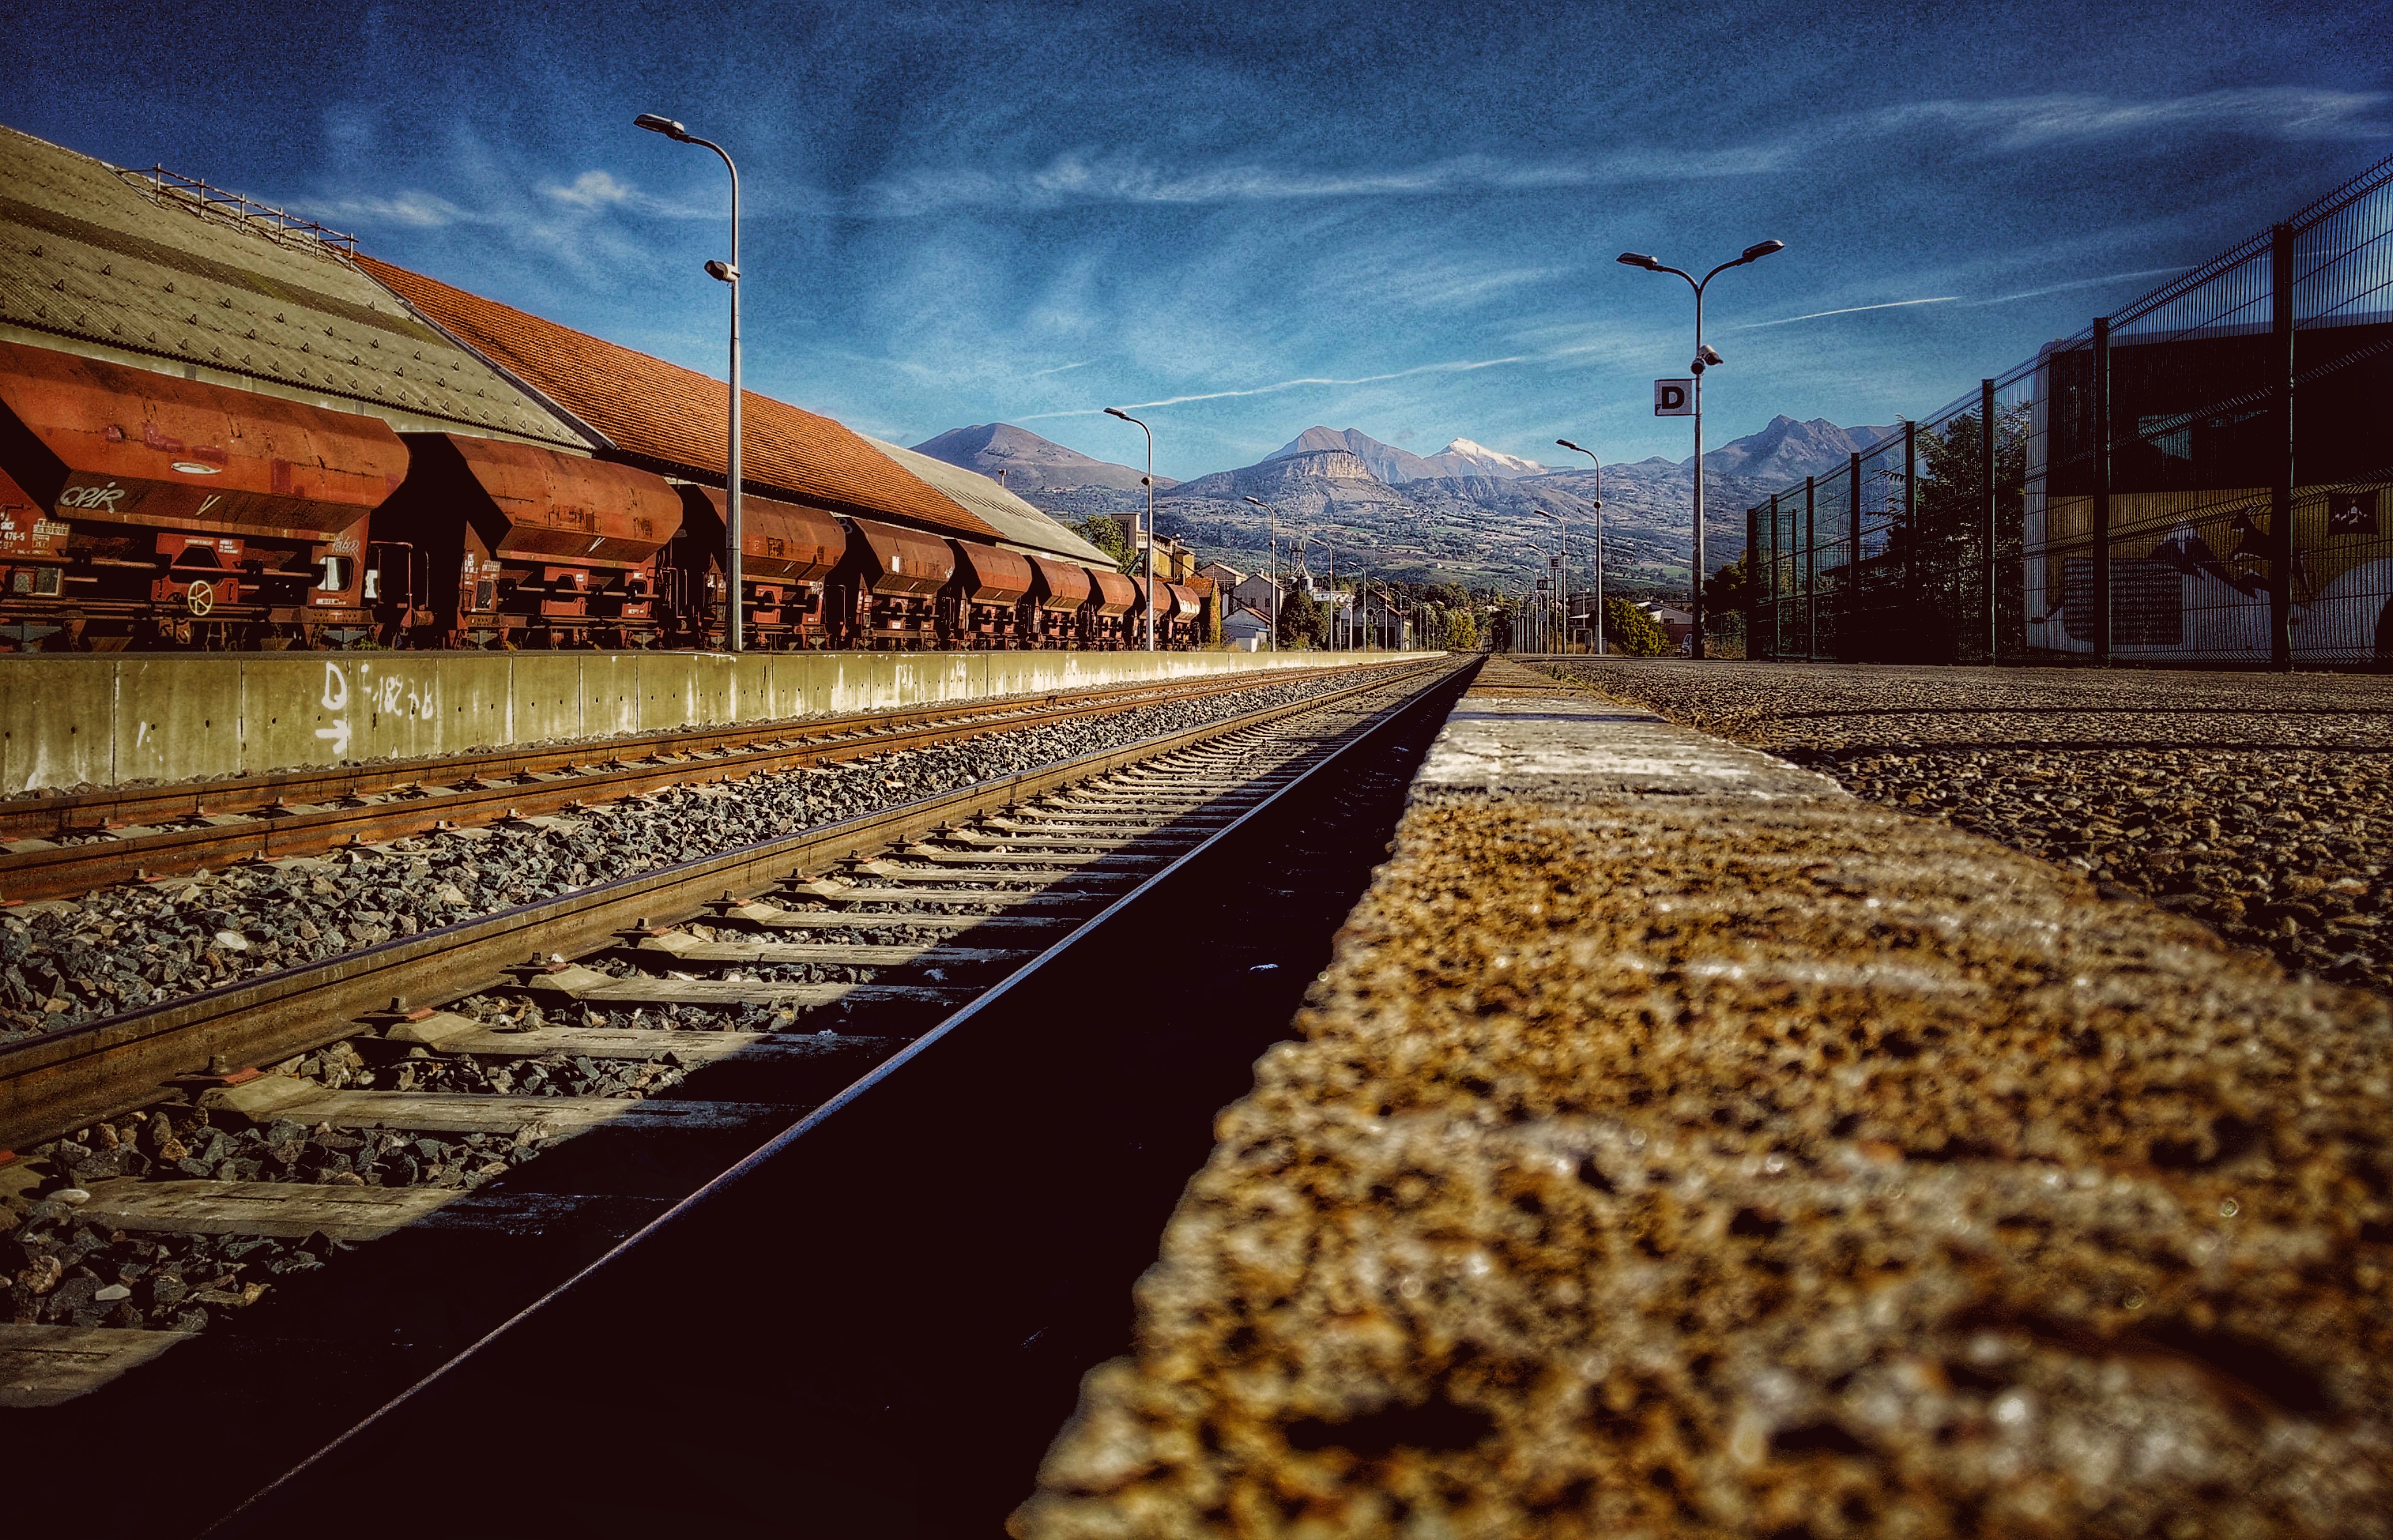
x,y
724,271
1706,355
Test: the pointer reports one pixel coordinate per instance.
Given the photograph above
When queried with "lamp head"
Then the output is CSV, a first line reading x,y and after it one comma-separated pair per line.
x,y
1756,253
1638,259
1568,444
666,126
723,272
1116,412
1257,502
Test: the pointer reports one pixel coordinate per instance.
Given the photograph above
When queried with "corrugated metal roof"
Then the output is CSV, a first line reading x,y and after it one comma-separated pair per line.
x,y
111,264
673,418
1016,521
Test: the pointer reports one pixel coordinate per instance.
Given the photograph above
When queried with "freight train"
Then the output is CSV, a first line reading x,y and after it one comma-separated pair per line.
x,y
142,511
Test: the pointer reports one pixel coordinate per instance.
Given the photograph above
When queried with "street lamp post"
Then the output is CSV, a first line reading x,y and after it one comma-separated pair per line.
x,y
1704,357
725,273
1537,634
1598,500
1561,567
1272,546
1303,540
1116,412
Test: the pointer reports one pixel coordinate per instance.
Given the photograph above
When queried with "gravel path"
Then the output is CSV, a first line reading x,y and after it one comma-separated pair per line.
x,y
126,947
1676,1147
2259,805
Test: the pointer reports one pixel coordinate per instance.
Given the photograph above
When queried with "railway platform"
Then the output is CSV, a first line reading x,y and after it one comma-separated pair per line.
x,y
1678,1144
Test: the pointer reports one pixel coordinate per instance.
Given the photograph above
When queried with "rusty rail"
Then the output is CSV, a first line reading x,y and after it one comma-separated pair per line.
x,y
56,1083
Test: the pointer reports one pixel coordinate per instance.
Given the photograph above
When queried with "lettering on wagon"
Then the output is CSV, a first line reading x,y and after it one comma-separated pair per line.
x,y
109,499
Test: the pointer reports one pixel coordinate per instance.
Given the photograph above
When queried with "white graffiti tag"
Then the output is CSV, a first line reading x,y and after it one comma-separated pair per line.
x,y
336,696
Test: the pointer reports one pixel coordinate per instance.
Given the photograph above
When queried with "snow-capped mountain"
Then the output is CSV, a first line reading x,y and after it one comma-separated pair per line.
x,y
1464,458
1397,466
1388,462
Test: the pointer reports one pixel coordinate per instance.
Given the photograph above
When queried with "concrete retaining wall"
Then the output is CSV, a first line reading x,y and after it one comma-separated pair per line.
x,y
104,719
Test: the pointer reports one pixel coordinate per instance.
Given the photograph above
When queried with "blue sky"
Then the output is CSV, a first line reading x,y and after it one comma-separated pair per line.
x,y
1392,217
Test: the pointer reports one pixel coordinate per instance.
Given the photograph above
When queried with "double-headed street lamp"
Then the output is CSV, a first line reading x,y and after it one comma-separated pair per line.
x,y
725,273
1274,547
1704,357
1598,501
1116,412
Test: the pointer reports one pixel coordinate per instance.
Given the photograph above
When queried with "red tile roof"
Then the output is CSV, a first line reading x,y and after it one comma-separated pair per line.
x,y
668,416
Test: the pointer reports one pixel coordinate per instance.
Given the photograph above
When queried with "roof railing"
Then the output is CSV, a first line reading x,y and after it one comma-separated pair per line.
x,y
279,226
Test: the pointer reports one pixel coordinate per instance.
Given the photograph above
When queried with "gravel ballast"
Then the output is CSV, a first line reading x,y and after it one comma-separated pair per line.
x,y
122,949
2259,805
1677,1146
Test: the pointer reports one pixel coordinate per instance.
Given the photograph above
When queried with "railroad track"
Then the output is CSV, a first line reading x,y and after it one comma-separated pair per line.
x,y
229,1143
58,845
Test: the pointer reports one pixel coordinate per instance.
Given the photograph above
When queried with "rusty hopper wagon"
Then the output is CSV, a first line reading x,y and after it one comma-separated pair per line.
x,y
144,509
984,606
1059,590
1106,623
787,552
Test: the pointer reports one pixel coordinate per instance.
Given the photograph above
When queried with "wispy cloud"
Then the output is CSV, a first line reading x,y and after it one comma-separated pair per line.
x,y
1059,369
1457,367
1081,175
415,209
2271,112
1077,177
1847,310
602,192
593,189
2079,283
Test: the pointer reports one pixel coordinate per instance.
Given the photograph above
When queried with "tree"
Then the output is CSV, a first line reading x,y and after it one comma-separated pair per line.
x,y
1460,632
1731,589
1301,621
1101,531
1631,633
1925,600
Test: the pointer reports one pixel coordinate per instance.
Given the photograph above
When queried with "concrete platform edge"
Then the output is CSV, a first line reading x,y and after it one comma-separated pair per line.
x,y
108,720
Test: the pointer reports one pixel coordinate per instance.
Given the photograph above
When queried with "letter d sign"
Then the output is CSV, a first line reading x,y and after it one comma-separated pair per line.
x,y
1674,398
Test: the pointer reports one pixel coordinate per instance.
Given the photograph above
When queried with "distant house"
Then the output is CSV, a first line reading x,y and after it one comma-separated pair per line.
x,y
1386,625
1677,624
1247,628
1223,573
1257,591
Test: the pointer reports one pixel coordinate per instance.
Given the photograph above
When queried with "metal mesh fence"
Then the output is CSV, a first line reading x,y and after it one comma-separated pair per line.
x,y
2202,478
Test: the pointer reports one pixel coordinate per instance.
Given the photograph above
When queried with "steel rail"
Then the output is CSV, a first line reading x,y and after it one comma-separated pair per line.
x,y
65,871
261,1511
61,1082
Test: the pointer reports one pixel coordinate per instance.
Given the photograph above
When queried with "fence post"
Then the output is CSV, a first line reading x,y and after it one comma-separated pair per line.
x,y
2102,491
1911,509
1852,626
2280,495
1752,582
1986,450
1777,641
1811,577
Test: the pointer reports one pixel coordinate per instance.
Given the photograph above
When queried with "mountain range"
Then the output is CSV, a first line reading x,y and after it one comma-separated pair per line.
x,y
1467,513
1396,467
1029,462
